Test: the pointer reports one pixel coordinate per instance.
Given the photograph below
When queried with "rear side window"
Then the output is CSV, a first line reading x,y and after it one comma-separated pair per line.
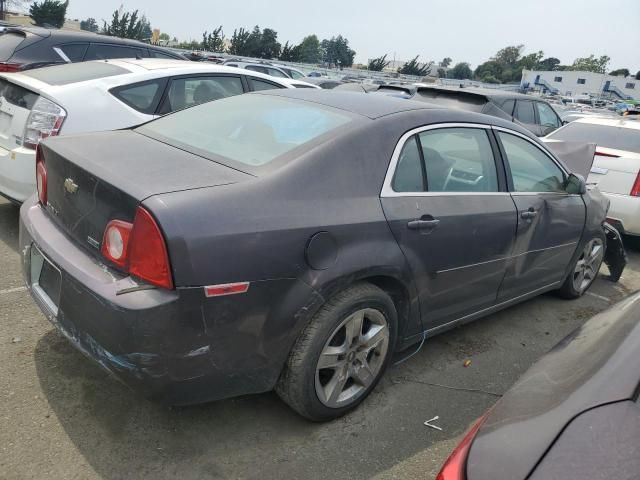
x,y
187,92
75,72
159,54
547,115
296,75
101,51
409,175
8,44
459,160
143,96
524,112
254,68
619,138
274,72
74,51
507,106
250,130
17,95
263,85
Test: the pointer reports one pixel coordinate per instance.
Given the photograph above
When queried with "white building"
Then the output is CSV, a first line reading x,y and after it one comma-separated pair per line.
x,y
574,83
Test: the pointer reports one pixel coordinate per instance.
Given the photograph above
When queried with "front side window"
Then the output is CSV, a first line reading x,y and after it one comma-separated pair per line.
x,y
100,51
158,54
274,72
531,169
143,97
246,130
524,112
547,115
187,92
458,160
507,106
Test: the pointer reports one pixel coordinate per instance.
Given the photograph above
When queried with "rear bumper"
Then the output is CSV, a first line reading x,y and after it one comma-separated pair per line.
x,y
175,347
17,173
624,213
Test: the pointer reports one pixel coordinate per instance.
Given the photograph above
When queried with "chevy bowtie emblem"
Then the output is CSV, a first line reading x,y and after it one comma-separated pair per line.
x,y
70,186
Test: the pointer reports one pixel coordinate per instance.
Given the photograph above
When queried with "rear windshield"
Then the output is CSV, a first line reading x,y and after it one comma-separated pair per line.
x,y
17,95
8,44
75,72
609,136
250,129
470,102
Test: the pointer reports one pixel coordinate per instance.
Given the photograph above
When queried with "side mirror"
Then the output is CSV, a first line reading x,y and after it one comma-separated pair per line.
x,y
576,184
564,122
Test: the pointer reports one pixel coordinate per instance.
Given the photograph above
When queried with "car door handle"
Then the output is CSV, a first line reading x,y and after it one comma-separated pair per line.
x,y
528,214
423,224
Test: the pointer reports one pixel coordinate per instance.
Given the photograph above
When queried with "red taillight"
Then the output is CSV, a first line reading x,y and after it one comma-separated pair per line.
x,y
148,257
10,67
41,176
635,190
455,468
115,242
138,248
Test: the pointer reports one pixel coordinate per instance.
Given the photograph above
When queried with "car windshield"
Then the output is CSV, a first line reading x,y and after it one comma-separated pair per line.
x,y
609,136
251,129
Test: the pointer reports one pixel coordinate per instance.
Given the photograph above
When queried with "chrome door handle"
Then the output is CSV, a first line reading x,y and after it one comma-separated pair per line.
x,y
528,215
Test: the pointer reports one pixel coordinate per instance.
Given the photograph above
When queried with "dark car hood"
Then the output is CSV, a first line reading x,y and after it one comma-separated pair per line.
x,y
597,364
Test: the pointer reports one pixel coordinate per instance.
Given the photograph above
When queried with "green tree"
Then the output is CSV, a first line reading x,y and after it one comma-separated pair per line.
x,y
549,63
508,55
192,45
214,41
531,61
310,49
412,67
254,42
336,51
379,64
127,25
290,53
442,73
621,71
489,68
165,37
238,42
446,61
269,45
49,13
591,64
89,25
461,71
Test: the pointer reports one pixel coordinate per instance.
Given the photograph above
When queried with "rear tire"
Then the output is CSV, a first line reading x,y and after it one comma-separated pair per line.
x,y
585,269
340,356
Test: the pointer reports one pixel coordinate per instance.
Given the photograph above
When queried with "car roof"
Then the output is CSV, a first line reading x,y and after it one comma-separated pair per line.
x,y
355,102
620,122
81,35
485,92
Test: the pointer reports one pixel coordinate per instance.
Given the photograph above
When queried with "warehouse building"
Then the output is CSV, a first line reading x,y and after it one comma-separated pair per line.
x,y
573,83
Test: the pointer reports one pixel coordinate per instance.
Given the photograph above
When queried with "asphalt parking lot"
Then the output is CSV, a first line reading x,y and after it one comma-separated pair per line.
x,y
63,417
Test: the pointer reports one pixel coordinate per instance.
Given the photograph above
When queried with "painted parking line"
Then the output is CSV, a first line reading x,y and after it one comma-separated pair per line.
x,y
599,296
12,290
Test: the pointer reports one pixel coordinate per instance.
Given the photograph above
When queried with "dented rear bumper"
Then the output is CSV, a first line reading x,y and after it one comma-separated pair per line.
x,y
176,347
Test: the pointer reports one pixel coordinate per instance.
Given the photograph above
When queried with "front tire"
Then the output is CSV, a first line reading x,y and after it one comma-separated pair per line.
x,y
341,355
585,269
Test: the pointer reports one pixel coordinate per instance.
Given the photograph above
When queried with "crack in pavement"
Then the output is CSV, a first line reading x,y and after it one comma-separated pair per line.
x,y
432,384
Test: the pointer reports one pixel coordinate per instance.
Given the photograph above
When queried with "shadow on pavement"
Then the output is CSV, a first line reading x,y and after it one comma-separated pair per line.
x,y
9,214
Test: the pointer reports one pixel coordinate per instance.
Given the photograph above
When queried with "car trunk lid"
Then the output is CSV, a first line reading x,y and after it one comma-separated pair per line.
x,y
95,178
614,171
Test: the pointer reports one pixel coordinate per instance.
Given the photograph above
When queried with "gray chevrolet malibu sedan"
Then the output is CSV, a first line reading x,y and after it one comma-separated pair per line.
x,y
296,240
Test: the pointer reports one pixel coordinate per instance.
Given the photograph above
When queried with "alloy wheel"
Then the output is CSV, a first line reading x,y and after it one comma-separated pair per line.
x,y
588,265
352,358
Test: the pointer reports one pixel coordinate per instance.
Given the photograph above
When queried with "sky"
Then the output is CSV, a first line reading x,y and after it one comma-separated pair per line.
x,y
464,30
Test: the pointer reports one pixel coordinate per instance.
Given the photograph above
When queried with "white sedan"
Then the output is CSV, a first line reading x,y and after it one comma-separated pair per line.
x,y
616,164
103,95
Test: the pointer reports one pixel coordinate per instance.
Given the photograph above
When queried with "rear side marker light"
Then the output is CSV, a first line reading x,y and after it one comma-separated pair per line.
x,y
635,190
226,289
602,154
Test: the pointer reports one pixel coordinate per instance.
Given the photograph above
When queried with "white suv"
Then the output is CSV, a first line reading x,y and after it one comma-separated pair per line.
x,y
102,95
